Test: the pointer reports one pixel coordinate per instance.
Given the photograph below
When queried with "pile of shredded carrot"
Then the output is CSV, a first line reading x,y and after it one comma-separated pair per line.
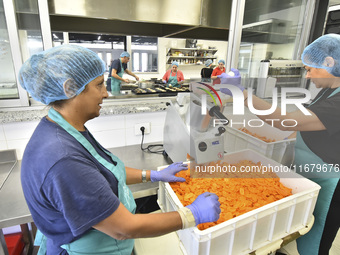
x,y
236,195
263,138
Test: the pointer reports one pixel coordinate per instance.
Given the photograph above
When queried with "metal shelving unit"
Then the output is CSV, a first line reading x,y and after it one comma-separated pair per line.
x,y
189,56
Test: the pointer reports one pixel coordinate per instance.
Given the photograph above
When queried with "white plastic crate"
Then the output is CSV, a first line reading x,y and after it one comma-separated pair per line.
x,y
281,150
252,230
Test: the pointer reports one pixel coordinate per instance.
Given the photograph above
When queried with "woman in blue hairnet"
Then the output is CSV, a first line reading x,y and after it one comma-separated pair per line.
x,y
75,189
173,77
117,69
218,70
317,139
207,71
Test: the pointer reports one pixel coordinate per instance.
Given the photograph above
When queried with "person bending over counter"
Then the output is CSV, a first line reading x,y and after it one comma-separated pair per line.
x,y
206,71
173,76
317,138
116,72
218,70
75,189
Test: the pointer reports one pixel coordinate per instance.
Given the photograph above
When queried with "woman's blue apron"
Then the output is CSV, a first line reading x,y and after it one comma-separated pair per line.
x,y
94,241
115,83
309,243
173,80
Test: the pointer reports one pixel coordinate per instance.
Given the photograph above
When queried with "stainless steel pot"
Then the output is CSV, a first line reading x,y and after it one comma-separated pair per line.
x,y
145,84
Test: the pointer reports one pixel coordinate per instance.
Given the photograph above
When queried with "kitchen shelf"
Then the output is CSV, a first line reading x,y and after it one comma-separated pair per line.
x,y
190,54
190,57
192,49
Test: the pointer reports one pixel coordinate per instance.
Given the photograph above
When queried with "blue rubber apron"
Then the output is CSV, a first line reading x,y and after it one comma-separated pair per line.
x,y
94,241
309,243
173,80
115,83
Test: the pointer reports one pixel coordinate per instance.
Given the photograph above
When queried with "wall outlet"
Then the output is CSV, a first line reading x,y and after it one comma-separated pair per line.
x,y
145,125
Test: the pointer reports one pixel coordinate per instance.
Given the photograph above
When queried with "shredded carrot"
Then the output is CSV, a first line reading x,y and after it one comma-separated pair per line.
x,y
263,138
236,195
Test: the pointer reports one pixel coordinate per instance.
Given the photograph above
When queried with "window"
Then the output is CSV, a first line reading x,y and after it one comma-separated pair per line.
x,y
108,47
20,37
271,30
144,54
8,84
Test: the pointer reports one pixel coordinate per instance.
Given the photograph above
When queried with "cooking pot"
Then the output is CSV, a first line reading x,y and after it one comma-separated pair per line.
x,y
145,84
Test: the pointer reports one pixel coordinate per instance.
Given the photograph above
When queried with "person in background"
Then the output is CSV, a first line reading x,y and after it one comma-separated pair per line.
x,y
75,189
218,70
173,76
317,138
207,71
117,69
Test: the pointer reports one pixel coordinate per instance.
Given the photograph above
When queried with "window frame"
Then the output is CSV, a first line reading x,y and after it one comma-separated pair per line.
x,y
12,29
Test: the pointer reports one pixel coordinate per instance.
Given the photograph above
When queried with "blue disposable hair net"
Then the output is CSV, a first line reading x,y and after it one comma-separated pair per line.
x,y
45,74
208,62
324,53
221,61
125,54
174,63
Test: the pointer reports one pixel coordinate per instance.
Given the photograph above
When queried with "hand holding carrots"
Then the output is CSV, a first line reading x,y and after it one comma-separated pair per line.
x,y
168,174
205,208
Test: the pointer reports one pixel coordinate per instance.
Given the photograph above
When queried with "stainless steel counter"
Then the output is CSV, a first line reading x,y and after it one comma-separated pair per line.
x,y
133,156
13,207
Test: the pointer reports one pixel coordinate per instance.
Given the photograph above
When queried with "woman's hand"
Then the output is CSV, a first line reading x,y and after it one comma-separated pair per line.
x,y
205,208
168,174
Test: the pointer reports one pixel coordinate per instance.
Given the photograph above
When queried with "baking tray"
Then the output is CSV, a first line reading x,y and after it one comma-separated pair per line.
x,y
159,90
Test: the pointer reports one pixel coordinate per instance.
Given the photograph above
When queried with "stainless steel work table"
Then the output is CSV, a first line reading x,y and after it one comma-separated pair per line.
x,y
13,207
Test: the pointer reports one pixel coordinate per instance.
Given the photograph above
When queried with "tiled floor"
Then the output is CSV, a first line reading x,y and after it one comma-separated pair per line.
x,y
336,246
290,249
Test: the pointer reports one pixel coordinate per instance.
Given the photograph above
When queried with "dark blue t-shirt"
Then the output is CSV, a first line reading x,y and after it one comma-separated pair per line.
x,y
325,143
66,189
116,65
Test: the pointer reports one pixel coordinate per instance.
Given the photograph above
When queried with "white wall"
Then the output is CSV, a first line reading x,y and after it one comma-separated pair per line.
x,y
110,131
189,71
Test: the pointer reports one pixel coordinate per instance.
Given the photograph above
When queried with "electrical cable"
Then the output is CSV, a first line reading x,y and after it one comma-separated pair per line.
x,y
150,147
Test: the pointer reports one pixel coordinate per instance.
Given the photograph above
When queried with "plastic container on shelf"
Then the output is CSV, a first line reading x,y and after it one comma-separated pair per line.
x,y
258,229
282,150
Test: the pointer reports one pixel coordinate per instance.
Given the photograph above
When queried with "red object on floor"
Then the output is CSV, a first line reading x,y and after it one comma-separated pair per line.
x,y
15,244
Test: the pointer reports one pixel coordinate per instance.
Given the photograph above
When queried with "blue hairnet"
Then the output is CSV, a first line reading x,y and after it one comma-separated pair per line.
x,y
324,53
174,63
125,54
208,62
221,61
44,74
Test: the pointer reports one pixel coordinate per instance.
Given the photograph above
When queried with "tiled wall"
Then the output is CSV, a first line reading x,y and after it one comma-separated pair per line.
x,y
110,131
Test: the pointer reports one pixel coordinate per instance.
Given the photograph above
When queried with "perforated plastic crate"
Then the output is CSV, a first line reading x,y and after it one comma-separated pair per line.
x,y
252,230
282,150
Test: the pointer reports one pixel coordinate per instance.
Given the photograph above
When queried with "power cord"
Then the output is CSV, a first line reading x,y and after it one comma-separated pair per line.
x,y
150,148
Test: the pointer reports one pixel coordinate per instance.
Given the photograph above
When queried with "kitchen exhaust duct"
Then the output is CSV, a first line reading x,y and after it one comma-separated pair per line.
x,y
191,19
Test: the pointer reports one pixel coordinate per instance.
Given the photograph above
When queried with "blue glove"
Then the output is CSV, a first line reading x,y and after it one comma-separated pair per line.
x,y
205,208
168,174
232,78
164,82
